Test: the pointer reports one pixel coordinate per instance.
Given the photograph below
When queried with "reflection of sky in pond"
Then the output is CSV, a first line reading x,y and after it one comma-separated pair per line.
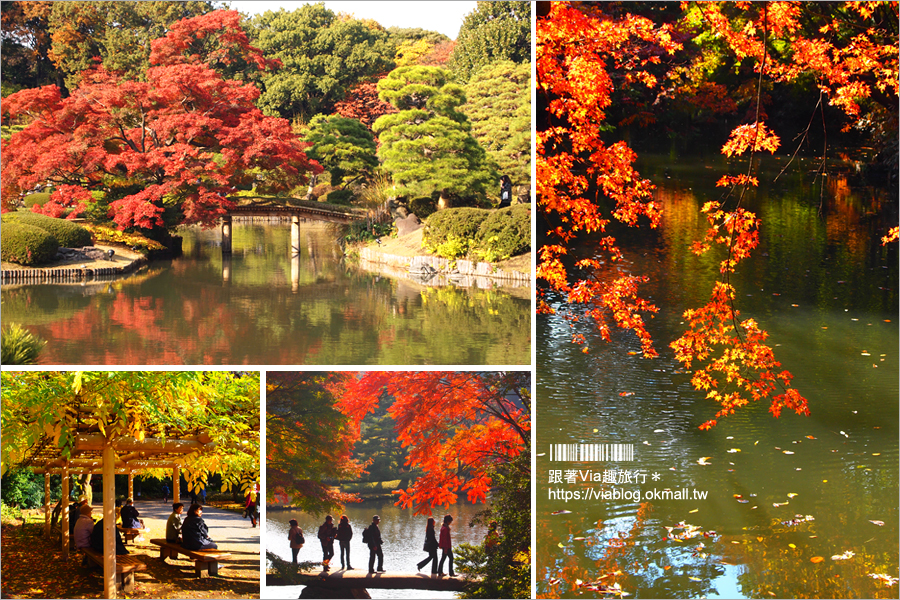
x,y
826,292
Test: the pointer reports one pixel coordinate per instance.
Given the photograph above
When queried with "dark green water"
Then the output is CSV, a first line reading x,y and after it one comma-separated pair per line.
x,y
260,307
779,492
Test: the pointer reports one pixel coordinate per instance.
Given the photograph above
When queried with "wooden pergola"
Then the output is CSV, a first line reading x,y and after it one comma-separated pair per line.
x,y
111,455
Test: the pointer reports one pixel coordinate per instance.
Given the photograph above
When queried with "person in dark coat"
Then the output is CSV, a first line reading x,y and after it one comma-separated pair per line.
x,y
344,535
194,532
327,531
373,539
296,539
505,192
130,516
97,539
446,546
431,547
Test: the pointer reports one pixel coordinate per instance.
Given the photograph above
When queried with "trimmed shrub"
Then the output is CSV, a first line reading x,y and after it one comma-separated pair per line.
x,y
506,232
67,233
423,207
458,223
342,197
26,244
38,199
18,346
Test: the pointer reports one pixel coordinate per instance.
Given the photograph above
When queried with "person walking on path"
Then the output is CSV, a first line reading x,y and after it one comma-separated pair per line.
x,y
295,535
344,535
431,547
505,192
250,508
194,532
372,537
327,531
173,524
446,546
165,491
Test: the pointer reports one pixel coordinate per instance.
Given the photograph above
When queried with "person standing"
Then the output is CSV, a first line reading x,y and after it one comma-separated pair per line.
x,y
194,532
250,508
327,531
372,537
295,536
165,491
431,547
505,192
344,535
446,546
173,524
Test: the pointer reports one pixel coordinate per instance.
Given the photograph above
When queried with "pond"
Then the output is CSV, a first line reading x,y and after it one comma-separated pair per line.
x,y
402,532
789,507
262,307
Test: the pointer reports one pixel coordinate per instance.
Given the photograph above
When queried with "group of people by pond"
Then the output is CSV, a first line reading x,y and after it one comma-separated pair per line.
x,y
371,537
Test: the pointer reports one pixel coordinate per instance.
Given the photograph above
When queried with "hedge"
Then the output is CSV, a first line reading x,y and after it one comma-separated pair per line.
x,y
38,199
67,233
453,224
26,244
506,232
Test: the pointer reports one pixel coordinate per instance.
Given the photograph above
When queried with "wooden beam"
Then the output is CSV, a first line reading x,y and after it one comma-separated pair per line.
x,y
125,443
109,522
64,515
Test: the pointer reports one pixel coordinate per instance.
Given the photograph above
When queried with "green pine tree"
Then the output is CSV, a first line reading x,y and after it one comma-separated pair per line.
x,y
345,147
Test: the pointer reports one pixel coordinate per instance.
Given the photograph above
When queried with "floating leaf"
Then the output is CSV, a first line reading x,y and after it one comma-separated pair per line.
x,y
845,556
626,394
817,559
703,460
561,512
879,523
787,451
792,546
810,437
733,450
791,495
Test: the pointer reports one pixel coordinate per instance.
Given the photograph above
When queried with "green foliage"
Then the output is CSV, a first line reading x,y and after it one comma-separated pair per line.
x,y
9,513
504,564
340,197
36,199
423,207
498,104
379,445
427,146
492,32
26,244
452,226
322,57
361,231
19,346
345,147
67,233
286,570
506,232
22,488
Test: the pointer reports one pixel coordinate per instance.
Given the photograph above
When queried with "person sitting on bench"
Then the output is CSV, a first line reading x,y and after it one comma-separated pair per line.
x,y
173,525
194,532
130,516
97,539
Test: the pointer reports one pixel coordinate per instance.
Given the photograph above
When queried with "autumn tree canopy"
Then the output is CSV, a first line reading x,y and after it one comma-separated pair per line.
x,y
586,55
494,31
162,152
43,409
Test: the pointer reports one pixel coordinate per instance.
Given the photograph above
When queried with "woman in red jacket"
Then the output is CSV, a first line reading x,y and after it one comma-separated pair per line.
x,y
445,545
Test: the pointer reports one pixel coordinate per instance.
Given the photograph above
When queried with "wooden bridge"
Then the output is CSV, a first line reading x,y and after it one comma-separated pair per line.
x,y
361,578
292,208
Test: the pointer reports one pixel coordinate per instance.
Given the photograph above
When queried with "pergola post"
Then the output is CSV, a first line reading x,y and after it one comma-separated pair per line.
x,y
64,512
131,485
47,505
109,522
176,481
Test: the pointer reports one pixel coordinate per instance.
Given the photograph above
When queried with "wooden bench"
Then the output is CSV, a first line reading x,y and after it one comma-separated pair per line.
x,y
208,558
128,533
126,565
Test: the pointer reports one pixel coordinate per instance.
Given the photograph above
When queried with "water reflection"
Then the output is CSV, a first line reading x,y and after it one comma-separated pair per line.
x,y
259,306
782,497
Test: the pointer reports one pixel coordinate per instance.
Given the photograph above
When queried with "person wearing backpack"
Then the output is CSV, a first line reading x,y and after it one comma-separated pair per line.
x,y
372,537
344,535
295,535
327,531
431,547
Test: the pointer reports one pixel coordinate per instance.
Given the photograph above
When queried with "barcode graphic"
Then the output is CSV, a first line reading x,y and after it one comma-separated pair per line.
x,y
591,452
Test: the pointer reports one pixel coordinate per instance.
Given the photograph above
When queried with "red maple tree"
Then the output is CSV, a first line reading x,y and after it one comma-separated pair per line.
x,y
181,142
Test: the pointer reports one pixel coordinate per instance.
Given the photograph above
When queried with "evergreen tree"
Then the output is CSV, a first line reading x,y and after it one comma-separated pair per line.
x,y
427,146
498,104
345,147
494,31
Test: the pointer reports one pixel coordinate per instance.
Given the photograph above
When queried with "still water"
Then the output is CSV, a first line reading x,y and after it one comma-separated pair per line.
x,y
261,307
403,536
779,497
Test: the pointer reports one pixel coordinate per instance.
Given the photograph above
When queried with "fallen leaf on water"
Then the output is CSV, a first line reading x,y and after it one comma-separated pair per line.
x,y
811,437
817,559
693,511
560,545
845,556
596,430
626,393
879,523
561,512
733,450
659,431
553,581
759,538
791,495
667,567
703,460
578,582
787,451
695,579
887,579
791,546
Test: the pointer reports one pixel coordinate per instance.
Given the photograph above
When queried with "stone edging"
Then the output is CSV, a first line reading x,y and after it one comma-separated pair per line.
x,y
423,265
67,274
